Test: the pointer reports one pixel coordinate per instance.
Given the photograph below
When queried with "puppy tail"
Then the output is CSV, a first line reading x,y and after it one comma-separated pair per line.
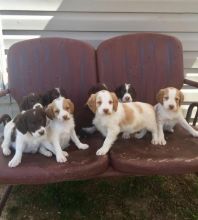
x,y
5,118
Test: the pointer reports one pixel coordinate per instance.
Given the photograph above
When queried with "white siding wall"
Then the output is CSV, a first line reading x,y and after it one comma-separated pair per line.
x,y
96,20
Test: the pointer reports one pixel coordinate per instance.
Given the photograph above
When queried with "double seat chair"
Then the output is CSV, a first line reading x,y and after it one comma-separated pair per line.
x,y
148,61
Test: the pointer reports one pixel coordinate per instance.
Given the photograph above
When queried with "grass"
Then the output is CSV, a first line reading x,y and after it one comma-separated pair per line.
x,y
138,198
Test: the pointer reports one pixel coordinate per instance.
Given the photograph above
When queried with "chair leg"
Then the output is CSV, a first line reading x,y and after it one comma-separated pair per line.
x,y
5,197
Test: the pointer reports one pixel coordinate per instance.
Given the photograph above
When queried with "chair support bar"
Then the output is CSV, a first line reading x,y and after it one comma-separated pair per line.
x,y
191,83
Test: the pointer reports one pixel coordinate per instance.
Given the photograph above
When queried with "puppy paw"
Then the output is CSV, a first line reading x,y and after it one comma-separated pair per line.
x,y
14,162
6,151
48,154
101,151
140,134
61,158
162,141
154,142
65,154
126,136
83,146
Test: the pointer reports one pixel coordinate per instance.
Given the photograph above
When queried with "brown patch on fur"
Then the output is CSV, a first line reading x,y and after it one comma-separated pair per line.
x,y
180,97
50,111
92,103
128,115
115,101
139,107
68,105
161,94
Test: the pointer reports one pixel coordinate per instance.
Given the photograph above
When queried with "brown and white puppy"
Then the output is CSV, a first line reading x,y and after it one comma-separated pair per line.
x,y
87,127
29,130
169,114
113,117
29,101
61,128
52,94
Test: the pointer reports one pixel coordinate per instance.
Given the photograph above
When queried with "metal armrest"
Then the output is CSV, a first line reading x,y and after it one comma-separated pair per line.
x,y
191,83
189,113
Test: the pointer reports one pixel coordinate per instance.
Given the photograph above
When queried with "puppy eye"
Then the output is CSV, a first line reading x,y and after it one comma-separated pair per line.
x,y
99,102
166,97
57,111
110,102
67,108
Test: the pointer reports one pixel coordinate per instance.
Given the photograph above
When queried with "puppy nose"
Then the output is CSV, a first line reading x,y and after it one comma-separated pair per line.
x,y
65,117
41,132
171,107
105,110
127,98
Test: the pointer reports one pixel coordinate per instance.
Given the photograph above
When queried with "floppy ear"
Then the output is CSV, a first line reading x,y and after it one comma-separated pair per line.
x,y
49,111
181,98
21,123
117,91
115,101
46,99
24,104
133,93
63,92
71,105
92,103
160,96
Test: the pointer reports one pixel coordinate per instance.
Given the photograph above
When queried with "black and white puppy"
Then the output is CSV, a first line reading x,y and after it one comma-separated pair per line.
x,y
25,133
126,93
52,94
29,101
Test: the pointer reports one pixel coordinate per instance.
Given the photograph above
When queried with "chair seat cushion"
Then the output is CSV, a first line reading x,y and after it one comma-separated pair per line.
x,y
38,169
140,157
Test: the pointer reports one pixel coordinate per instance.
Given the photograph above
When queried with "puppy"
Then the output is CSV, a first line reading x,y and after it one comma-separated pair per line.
x,y
126,93
113,117
29,101
52,94
169,113
90,129
62,127
25,133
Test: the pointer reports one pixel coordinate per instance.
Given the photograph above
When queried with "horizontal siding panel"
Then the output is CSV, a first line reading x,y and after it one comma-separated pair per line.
x,y
191,95
191,59
189,40
174,6
102,22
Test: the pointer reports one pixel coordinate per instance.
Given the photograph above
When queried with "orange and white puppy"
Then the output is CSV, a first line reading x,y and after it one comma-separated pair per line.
x,y
61,128
113,117
169,114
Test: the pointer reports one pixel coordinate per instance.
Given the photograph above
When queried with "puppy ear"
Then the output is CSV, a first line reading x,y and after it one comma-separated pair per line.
x,y
181,98
117,91
115,101
50,112
63,92
92,103
71,105
21,123
133,93
160,96
46,99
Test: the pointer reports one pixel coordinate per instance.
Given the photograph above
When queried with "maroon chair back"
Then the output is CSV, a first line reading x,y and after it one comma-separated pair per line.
x,y
41,64
148,61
